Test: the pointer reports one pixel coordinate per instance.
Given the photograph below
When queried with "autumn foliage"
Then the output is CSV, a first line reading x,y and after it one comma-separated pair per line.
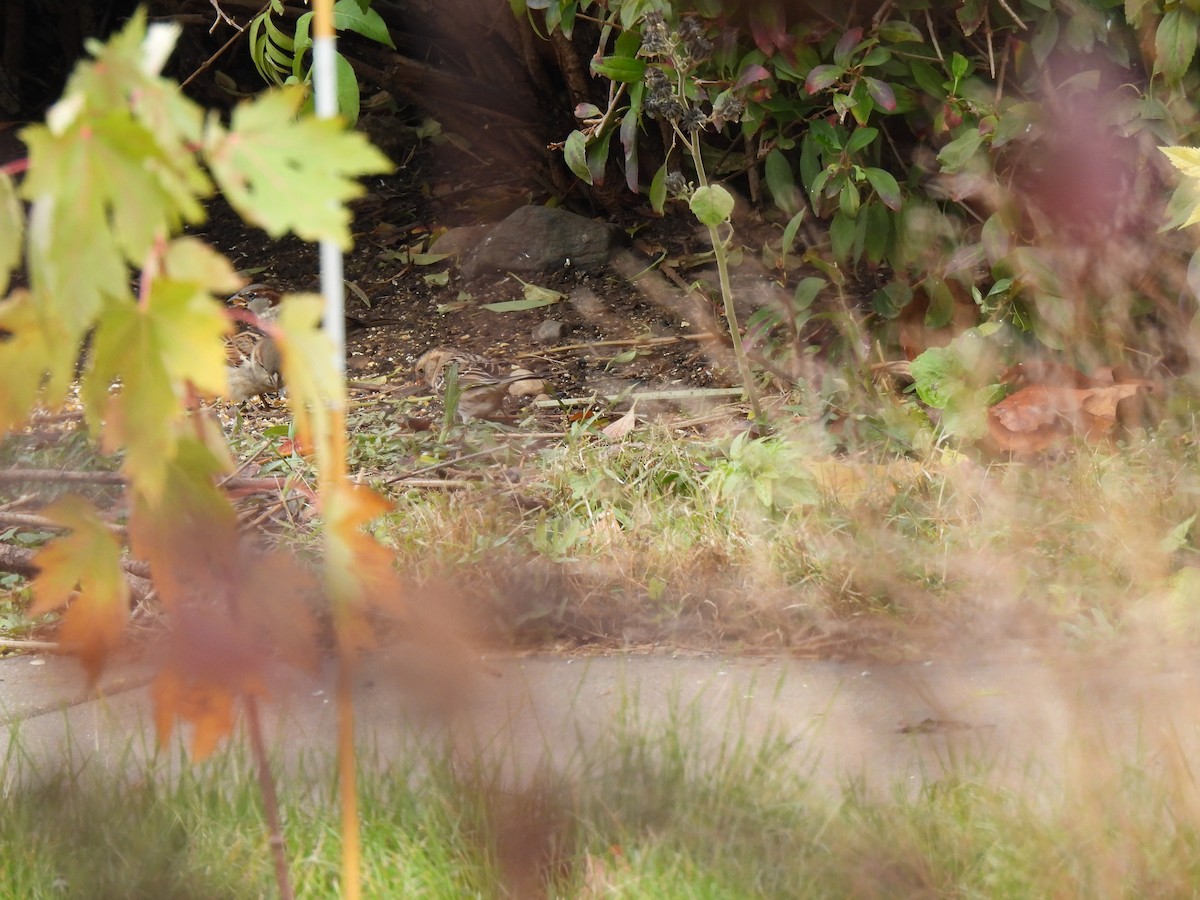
x,y
122,163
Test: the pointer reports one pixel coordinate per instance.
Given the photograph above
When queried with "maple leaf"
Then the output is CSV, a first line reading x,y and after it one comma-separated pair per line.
x,y
143,413
232,610
83,567
358,569
33,348
288,174
109,173
125,193
12,226
316,385
208,707
188,529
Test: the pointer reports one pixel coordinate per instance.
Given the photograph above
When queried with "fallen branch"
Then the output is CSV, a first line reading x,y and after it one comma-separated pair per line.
x,y
683,394
9,644
622,342
20,561
62,476
29,520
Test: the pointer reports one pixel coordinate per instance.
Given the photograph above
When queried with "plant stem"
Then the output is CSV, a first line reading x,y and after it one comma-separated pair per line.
x,y
735,332
270,799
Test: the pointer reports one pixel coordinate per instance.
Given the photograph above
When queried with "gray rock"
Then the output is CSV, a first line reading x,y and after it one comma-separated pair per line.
x,y
540,239
549,332
456,241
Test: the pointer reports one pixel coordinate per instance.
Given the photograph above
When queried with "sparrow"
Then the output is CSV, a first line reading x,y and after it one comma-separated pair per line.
x,y
251,357
264,301
253,364
483,383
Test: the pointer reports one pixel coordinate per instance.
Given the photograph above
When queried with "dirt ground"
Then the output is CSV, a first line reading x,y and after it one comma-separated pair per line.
x,y
422,306
646,293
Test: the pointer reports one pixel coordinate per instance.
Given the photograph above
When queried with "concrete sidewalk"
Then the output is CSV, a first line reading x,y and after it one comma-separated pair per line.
x,y
885,724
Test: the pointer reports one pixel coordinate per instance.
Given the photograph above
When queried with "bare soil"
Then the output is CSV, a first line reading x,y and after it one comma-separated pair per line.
x,y
416,307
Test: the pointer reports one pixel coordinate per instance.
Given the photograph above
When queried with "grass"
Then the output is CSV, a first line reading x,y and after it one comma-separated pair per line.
x,y
766,543
717,541
775,543
657,809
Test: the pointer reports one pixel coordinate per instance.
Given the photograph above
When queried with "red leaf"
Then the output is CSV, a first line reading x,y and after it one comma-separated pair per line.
x,y
768,26
751,74
850,40
881,93
821,77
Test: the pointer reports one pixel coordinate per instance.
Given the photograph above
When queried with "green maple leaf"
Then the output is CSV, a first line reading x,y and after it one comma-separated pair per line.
x,y
109,174
153,349
186,328
288,174
83,567
125,74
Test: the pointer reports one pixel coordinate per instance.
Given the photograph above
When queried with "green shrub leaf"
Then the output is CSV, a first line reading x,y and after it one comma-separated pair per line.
x,y
575,153
886,187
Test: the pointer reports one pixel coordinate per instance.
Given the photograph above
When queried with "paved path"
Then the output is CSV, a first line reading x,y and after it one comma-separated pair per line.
x,y
1024,717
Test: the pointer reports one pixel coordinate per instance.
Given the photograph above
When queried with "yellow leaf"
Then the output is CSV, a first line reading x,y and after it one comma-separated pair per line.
x,y
128,394
83,567
33,348
316,387
1186,159
190,259
12,227
359,570
186,331
187,530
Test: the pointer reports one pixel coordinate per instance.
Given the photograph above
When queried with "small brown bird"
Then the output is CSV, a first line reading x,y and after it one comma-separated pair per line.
x,y
251,357
261,299
264,301
483,383
253,365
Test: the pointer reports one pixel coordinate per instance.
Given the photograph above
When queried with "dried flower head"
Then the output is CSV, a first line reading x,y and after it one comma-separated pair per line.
x,y
691,34
655,39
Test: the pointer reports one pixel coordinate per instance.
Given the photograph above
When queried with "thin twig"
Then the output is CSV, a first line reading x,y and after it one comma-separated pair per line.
x,y
441,483
61,476
204,66
1008,9
222,16
682,394
490,451
933,37
266,784
263,484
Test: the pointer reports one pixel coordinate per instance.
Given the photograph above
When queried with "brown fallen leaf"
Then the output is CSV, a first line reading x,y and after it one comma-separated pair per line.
x,y
1039,417
621,427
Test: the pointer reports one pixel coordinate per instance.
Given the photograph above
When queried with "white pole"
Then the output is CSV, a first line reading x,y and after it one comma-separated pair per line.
x,y
332,284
